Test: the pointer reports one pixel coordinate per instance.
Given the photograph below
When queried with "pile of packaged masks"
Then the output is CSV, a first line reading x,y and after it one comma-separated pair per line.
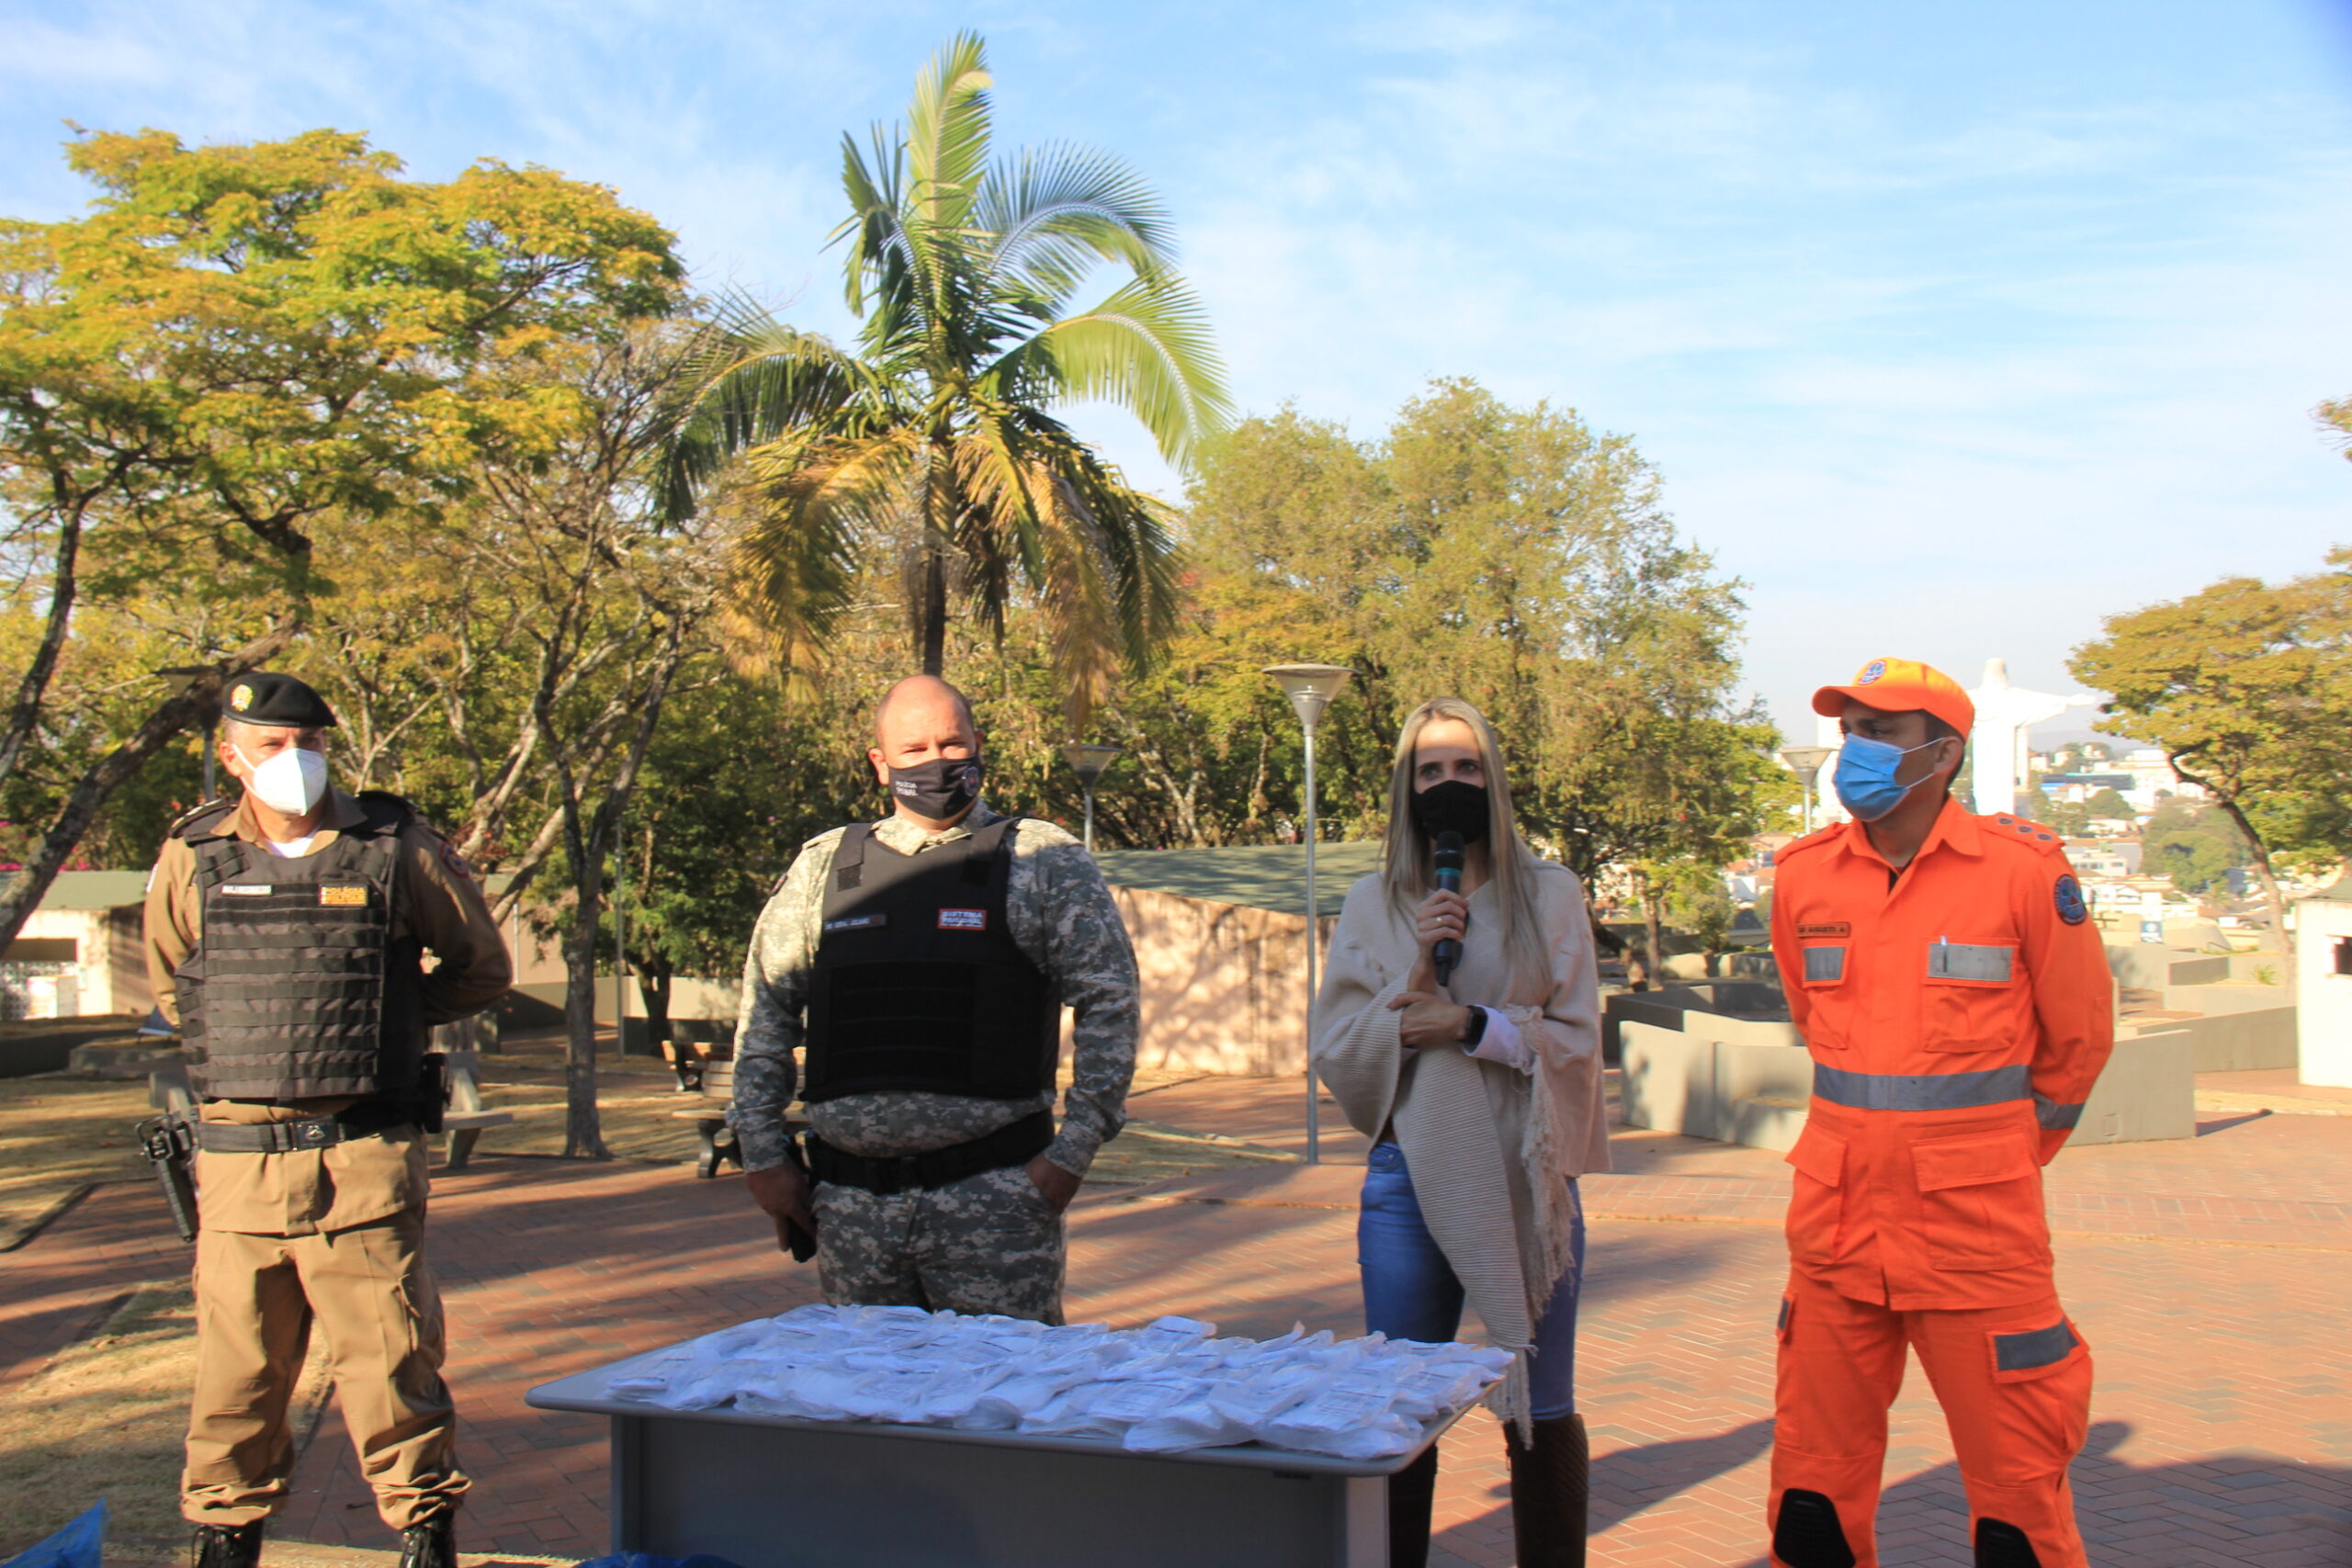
x,y
1161,1389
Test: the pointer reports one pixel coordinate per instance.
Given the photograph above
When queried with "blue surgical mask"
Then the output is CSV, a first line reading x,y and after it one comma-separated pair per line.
x,y
1865,777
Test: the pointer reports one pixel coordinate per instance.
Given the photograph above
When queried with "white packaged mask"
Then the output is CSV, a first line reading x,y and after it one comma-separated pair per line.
x,y
292,780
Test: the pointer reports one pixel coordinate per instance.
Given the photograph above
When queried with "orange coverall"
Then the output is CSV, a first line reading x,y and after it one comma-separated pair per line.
x,y
1958,1015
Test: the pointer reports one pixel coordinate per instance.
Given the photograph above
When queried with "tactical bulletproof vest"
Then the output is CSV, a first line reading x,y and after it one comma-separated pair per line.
x,y
918,985
297,987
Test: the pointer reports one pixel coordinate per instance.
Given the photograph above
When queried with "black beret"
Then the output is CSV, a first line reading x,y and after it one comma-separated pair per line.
x,y
258,697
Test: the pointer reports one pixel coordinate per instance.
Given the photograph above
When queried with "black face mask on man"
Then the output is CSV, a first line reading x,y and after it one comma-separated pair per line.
x,y
1452,806
938,789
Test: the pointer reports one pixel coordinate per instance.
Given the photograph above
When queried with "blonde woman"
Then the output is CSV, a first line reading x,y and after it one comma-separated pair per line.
x,y
1483,1098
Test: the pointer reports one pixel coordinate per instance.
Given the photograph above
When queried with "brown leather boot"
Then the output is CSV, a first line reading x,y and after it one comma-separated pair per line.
x,y
1411,1491
1551,1488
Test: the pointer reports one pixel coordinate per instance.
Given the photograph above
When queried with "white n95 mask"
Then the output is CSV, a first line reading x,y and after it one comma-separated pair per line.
x,y
292,780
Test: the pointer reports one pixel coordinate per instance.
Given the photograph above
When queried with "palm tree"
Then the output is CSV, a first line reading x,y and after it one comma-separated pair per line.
x,y
933,442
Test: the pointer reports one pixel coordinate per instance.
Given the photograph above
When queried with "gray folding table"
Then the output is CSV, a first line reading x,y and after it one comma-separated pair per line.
x,y
773,1492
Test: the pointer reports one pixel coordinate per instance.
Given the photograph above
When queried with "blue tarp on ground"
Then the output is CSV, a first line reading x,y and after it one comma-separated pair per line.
x,y
78,1545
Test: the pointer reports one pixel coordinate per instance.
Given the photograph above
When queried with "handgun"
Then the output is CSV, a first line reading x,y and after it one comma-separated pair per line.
x,y
169,1144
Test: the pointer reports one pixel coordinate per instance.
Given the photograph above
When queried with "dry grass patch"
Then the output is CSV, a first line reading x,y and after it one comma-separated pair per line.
x,y
104,1419
59,1134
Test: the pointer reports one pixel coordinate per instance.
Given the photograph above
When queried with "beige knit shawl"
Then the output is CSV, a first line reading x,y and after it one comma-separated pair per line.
x,y
1490,1147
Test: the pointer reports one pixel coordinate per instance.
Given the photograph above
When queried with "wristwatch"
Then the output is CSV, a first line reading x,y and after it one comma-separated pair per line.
x,y
1474,1030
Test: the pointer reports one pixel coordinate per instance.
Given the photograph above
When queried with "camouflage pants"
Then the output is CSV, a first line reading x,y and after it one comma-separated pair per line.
x,y
990,1243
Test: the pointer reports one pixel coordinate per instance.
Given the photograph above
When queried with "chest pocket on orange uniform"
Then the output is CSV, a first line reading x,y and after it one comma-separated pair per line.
x,y
1823,976
1976,997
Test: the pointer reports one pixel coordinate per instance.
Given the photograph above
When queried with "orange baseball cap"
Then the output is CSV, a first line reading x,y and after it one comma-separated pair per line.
x,y
1899,686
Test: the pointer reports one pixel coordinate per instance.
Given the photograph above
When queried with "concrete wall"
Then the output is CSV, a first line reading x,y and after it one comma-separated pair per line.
x,y
2148,1091
1691,1080
2324,997
1224,985
2251,1041
2152,968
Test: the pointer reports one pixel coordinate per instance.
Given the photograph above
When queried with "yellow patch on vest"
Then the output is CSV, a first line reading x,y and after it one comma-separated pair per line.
x,y
343,897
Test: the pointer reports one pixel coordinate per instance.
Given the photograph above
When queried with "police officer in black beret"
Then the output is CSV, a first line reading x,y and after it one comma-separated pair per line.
x,y
286,932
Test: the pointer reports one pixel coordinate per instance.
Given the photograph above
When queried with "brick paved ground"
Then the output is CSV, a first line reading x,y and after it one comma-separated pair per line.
x,y
2210,1277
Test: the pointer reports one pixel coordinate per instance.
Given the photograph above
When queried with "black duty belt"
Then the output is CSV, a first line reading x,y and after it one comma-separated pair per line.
x,y
311,1133
1015,1145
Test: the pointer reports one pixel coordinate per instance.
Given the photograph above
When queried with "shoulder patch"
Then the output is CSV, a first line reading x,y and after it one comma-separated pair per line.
x,y
2068,894
454,863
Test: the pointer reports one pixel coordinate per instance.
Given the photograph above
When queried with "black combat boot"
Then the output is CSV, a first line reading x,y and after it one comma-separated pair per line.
x,y
431,1543
1412,1492
1551,1490
226,1545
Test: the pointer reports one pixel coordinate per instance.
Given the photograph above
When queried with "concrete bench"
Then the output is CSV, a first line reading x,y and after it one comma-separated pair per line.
x,y
718,1140
466,1119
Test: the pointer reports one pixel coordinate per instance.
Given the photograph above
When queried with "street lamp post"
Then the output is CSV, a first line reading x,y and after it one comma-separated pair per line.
x,y
1805,762
1310,688
1090,763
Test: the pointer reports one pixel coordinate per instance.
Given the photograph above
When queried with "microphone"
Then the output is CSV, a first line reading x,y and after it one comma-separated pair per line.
x,y
1447,953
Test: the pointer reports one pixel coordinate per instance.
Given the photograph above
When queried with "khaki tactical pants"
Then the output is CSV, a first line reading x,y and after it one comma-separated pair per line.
x,y
371,1293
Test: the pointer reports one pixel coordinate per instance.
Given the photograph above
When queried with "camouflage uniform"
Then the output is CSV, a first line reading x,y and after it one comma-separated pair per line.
x,y
990,1243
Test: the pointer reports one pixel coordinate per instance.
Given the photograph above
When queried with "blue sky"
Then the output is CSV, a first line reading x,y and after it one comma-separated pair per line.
x,y
1950,329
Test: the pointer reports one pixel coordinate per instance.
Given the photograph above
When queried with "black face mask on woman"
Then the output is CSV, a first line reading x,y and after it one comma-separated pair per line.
x,y
1452,806
937,789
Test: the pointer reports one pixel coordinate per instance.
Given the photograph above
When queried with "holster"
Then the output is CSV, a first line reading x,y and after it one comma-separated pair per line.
x,y
169,1143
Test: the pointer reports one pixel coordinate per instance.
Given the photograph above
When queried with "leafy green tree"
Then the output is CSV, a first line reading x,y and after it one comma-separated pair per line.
x,y
2106,805
1512,557
2071,818
2195,845
2247,688
243,355
2336,417
934,447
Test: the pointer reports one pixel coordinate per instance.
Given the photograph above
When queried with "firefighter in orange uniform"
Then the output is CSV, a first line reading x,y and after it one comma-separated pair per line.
x,y
1954,994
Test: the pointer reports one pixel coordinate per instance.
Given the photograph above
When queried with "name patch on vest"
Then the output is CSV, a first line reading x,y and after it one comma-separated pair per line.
x,y
250,889
858,922
343,897
963,920
1827,928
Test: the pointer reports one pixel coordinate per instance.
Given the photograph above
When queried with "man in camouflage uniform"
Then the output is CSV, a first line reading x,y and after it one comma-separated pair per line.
x,y
922,965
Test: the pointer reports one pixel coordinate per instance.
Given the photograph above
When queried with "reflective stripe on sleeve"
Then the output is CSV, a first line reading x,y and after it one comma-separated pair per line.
x,y
1825,962
1921,1091
2034,1348
2052,1115
1962,961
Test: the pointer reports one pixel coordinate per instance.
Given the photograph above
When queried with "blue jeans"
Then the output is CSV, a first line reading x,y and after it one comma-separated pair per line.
x,y
1409,1290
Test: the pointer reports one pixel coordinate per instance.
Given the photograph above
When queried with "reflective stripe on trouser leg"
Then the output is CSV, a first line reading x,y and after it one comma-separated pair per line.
x,y
1839,1366
2014,1385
